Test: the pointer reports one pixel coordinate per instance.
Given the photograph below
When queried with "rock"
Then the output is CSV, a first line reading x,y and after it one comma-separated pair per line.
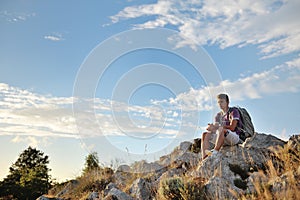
x,y
172,173
218,187
117,194
254,178
196,146
236,171
167,160
70,185
164,160
124,168
144,167
43,197
121,177
228,172
179,159
187,160
141,189
294,143
108,188
185,146
93,196
263,141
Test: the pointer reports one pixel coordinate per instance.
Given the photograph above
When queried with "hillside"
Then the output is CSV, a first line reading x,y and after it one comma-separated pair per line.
x,y
263,167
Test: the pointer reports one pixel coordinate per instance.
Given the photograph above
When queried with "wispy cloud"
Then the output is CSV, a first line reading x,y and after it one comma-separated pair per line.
x,y
15,17
25,113
54,37
272,25
279,79
30,140
33,116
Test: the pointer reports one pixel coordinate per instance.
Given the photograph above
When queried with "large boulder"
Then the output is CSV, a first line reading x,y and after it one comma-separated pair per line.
x,y
227,173
141,189
263,141
124,168
117,194
108,188
69,187
93,196
145,167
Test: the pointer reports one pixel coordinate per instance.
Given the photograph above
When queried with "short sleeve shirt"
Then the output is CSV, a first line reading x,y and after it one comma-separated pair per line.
x,y
224,119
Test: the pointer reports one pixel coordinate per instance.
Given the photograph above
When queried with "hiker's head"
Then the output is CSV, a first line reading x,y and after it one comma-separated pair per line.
x,y
223,101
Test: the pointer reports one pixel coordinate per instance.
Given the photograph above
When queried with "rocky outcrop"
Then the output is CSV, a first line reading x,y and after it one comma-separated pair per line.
x,y
234,172
141,189
69,187
93,196
44,197
117,194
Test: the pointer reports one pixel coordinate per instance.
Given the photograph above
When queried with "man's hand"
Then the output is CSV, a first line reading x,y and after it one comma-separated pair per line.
x,y
209,127
212,127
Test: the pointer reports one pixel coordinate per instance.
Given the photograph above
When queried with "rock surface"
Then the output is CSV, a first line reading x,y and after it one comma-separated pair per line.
x,y
230,174
141,189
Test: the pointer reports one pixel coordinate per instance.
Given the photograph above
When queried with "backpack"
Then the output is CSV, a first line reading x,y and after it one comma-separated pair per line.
x,y
247,129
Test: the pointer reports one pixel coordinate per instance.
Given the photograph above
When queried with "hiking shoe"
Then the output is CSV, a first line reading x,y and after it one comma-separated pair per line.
x,y
208,152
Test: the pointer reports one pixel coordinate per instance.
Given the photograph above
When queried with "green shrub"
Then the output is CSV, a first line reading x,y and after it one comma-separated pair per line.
x,y
193,191
171,188
179,188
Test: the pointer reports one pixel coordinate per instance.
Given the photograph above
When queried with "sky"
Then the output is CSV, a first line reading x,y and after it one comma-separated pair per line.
x,y
132,79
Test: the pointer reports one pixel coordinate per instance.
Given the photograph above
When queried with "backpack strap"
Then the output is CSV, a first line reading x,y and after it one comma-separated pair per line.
x,y
229,111
242,134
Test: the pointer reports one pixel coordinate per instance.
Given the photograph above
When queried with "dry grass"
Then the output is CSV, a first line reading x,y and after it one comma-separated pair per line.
x,y
281,180
94,180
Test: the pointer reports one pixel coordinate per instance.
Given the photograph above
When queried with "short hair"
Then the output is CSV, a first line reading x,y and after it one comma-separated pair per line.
x,y
223,96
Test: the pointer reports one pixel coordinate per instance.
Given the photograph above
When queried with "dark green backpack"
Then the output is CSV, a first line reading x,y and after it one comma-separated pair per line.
x,y
247,129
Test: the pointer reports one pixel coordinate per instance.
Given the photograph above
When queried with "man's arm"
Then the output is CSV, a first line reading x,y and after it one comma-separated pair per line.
x,y
232,125
235,117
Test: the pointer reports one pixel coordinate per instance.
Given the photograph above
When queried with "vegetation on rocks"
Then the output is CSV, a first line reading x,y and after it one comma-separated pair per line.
x,y
263,167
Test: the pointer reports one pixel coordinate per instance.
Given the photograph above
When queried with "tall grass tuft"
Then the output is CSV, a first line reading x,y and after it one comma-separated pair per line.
x,y
281,179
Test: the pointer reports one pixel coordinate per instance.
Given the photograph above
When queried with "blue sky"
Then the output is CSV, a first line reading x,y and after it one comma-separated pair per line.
x,y
132,79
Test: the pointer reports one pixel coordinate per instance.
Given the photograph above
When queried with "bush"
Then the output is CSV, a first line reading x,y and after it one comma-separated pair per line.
x,y
193,190
171,188
178,188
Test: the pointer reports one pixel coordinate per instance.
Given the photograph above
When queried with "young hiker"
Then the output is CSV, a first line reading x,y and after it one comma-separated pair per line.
x,y
223,130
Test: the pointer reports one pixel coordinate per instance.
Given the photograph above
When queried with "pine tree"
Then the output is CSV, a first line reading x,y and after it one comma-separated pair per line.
x,y
28,177
91,162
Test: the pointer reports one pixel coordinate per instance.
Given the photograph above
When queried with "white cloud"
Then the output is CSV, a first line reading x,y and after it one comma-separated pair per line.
x,y
54,37
24,113
15,16
30,140
280,79
32,116
272,25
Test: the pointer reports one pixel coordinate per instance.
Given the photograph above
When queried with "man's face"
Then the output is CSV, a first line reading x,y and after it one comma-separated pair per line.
x,y
222,104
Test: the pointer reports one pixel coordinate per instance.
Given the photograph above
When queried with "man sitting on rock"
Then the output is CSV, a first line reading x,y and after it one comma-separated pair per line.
x,y
223,130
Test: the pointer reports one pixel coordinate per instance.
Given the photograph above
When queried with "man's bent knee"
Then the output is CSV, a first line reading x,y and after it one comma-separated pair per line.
x,y
204,135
